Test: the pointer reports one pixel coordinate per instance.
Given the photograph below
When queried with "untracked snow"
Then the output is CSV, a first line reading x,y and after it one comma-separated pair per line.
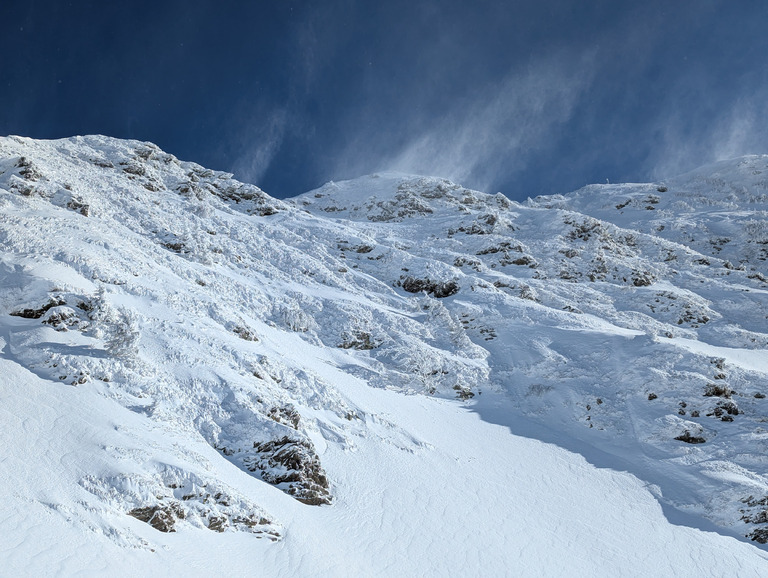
x,y
388,376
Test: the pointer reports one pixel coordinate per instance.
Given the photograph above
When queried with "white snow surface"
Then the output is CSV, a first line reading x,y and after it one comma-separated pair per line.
x,y
389,376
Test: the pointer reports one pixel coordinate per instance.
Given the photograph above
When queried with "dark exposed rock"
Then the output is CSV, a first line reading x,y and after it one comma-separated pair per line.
x,y
360,340
642,279
760,516
717,390
250,521
760,535
176,247
28,171
293,465
502,247
524,260
438,289
718,362
160,517
245,333
218,523
725,410
463,393
103,163
61,317
483,225
38,313
79,206
585,230
690,439
286,415
135,169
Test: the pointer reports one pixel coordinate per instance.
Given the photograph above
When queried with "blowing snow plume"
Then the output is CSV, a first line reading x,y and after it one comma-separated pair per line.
x,y
486,138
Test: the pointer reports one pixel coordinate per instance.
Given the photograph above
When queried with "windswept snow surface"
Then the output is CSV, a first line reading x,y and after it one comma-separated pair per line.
x,y
387,376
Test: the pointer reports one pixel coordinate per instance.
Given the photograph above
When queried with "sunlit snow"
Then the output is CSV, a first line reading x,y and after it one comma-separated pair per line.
x,y
390,376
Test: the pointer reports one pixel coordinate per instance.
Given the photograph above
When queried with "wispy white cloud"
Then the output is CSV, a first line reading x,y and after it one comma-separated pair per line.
x,y
491,134
717,133
263,139
742,131
264,127
638,100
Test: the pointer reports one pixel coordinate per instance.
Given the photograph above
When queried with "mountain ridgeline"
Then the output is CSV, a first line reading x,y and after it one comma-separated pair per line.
x,y
626,322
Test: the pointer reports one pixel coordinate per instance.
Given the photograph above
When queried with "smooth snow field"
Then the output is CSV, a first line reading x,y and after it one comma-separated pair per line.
x,y
389,376
442,493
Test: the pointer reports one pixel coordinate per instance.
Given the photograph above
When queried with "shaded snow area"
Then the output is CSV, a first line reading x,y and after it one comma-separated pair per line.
x,y
391,376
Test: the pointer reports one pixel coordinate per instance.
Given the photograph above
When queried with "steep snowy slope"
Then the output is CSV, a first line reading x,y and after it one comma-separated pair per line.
x,y
194,372
602,325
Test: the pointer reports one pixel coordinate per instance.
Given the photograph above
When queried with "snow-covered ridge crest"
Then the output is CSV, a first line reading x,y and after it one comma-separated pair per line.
x,y
246,358
388,197
720,208
73,172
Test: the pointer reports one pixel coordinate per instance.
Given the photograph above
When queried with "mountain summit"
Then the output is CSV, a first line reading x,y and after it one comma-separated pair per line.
x,y
389,375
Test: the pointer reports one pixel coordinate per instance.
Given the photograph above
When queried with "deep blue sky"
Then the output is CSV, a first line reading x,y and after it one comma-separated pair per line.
x,y
525,97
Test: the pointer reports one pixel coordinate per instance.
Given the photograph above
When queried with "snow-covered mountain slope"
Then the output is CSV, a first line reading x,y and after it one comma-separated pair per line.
x,y
193,372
